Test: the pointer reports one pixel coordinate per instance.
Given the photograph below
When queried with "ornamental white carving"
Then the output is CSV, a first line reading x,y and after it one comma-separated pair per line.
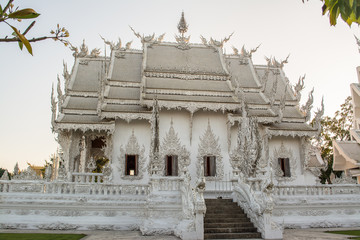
x,y
28,174
132,148
186,74
247,153
343,179
128,117
283,152
120,54
84,62
5,176
193,107
209,146
62,173
171,146
91,166
289,133
107,127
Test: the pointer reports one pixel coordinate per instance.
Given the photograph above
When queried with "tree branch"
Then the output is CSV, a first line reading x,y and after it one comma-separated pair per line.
x,y
29,27
7,6
30,40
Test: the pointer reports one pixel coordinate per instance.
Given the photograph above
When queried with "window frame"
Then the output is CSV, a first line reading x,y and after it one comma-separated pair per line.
x,y
209,161
284,164
173,171
128,171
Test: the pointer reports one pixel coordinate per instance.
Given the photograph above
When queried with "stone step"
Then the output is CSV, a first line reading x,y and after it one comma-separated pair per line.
x,y
231,235
229,225
230,230
226,220
218,200
225,215
225,211
222,205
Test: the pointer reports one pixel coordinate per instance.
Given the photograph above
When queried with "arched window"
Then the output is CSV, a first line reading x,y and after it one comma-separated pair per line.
x,y
131,165
285,166
171,165
209,166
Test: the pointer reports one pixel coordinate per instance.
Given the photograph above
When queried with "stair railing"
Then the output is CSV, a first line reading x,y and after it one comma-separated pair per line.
x,y
254,195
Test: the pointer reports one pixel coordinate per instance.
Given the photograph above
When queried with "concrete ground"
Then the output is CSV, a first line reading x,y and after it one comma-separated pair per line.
x,y
289,234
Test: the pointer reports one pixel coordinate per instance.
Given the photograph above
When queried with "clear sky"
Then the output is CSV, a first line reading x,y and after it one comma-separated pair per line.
x,y
327,55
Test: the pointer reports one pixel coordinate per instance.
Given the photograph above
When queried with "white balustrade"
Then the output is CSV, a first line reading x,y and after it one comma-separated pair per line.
x,y
166,183
80,188
301,190
87,177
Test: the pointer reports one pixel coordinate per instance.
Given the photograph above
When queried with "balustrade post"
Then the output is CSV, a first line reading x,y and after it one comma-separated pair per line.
x,y
200,209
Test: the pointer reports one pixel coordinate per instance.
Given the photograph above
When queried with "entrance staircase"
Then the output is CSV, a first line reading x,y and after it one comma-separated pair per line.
x,y
225,220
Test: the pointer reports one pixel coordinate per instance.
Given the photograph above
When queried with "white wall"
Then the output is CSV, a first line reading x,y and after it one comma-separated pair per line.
x,y
293,145
123,131
181,124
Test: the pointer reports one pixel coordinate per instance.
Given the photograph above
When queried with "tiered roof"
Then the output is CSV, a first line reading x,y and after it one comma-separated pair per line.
x,y
180,75
347,153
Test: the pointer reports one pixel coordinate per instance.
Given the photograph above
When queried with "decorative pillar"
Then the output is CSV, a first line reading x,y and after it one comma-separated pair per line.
x,y
83,153
200,209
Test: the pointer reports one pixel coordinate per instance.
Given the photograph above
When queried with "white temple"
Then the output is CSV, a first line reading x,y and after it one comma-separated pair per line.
x,y
347,153
179,122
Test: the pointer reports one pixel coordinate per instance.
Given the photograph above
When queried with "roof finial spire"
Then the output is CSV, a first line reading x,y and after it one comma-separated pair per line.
x,y
182,26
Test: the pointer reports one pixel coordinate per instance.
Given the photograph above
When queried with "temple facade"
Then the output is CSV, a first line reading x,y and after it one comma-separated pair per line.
x,y
177,108
147,135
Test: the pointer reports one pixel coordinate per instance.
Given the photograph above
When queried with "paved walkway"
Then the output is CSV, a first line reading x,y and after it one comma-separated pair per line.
x,y
289,234
315,234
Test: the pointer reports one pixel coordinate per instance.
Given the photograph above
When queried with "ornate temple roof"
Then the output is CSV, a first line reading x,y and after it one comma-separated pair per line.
x,y
180,75
347,153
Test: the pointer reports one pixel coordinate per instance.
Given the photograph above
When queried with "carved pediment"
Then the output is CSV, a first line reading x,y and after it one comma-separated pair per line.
x,y
171,146
209,146
132,148
284,152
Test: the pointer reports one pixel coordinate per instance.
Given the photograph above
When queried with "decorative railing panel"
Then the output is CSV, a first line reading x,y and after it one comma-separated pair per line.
x,y
87,177
72,188
166,183
316,190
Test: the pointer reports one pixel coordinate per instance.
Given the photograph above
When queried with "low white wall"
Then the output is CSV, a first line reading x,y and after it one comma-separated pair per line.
x,y
292,145
326,206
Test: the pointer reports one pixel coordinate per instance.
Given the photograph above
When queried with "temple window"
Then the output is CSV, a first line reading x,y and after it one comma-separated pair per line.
x,y
171,165
98,142
131,165
209,166
285,166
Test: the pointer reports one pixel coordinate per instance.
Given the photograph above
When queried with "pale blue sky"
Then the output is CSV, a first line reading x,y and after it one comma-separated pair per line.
x,y
327,55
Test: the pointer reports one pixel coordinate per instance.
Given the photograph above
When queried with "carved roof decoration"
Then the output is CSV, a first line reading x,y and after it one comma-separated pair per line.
x,y
182,75
182,26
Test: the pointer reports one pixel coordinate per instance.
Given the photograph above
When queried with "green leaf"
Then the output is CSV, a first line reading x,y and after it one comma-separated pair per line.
x,y
24,14
334,13
1,10
23,40
351,2
21,45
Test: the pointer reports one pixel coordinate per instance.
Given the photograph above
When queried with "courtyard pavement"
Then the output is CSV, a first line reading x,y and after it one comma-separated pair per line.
x,y
289,234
